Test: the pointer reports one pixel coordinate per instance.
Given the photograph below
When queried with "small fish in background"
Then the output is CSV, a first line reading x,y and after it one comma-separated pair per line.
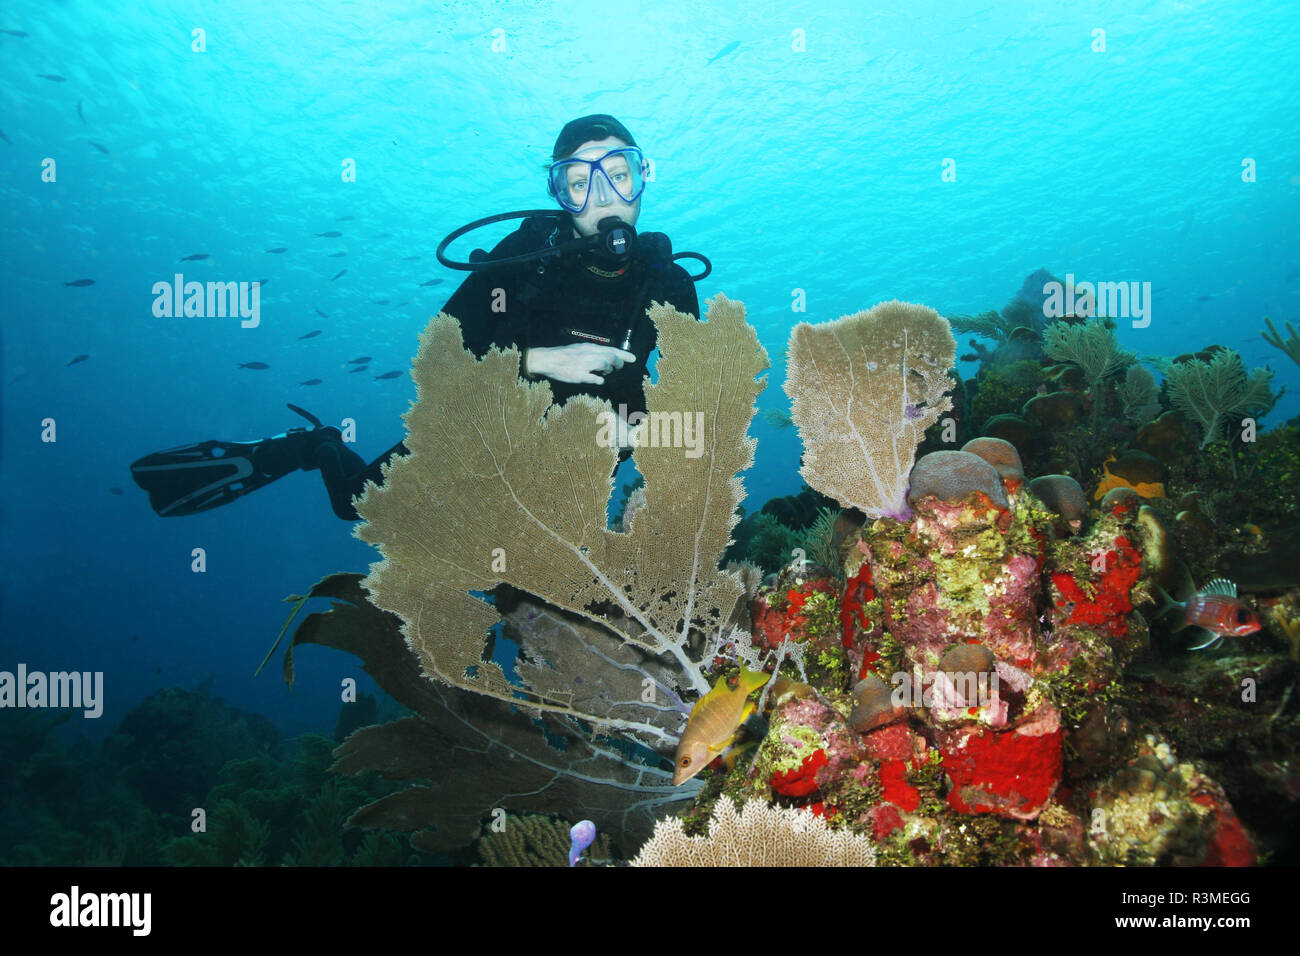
x,y
411,259
359,361
5,138
389,375
384,235
345,218
256,366
115,491
340,274
359,368
14,33
715,723
102,149
311,381
79,283
379,301
79,358
196,257
263,281
80,115
310,335
336,255
431,282
1217,609
402,303
1204,298
322,314
52,77
277,250
729,48
332,234
581,836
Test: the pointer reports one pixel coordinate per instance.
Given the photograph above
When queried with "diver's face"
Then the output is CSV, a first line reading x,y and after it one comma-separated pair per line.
x,y
603,202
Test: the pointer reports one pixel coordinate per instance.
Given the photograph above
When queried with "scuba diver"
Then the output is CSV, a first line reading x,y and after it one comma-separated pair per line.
x,y
568,288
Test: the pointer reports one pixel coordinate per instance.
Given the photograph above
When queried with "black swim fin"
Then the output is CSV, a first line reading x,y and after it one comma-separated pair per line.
x,y
209,474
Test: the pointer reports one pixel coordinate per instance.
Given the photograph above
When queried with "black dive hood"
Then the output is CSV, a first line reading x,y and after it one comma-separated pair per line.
x,y
613,243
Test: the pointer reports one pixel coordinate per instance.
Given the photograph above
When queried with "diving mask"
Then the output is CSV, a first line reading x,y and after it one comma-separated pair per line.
x,y
620,173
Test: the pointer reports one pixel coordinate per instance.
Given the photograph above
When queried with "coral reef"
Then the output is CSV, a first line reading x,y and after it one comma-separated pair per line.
x,y
953,475
932,606
758,835
987,645
1091,345
234,838
949,683
1139,395
1284,619
991,324
1005,386
461,754
820,541
475,500
1015,329
1213,393
1290,345
1133,469
1002,455
1155,811
767,542
532,839
1168,437
172,745
287,814
628,623
264,799
1063,496
1053,409
864,389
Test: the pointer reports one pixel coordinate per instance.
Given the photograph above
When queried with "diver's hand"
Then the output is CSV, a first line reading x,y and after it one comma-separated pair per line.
x,y
583,363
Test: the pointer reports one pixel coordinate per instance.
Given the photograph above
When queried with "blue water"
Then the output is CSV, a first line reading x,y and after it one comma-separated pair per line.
x,y
816,169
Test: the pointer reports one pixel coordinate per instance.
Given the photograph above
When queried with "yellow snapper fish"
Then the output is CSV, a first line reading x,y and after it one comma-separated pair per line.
x,y
714,722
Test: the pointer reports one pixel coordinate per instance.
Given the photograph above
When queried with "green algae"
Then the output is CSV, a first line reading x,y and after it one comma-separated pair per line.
x,y
785,748
1004,388
893,655
853,800
982,840
896,850
929,779
1074,694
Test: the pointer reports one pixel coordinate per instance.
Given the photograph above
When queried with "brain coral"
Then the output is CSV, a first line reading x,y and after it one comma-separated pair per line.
x,y
952,475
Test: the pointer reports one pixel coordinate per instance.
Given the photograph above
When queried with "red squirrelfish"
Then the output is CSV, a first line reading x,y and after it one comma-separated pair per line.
x,y
1217,609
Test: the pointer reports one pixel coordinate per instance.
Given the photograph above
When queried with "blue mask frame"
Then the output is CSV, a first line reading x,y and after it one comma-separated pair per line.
x,y
557,183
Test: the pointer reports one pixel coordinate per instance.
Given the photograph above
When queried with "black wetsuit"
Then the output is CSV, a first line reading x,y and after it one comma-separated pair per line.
x,y
561,300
